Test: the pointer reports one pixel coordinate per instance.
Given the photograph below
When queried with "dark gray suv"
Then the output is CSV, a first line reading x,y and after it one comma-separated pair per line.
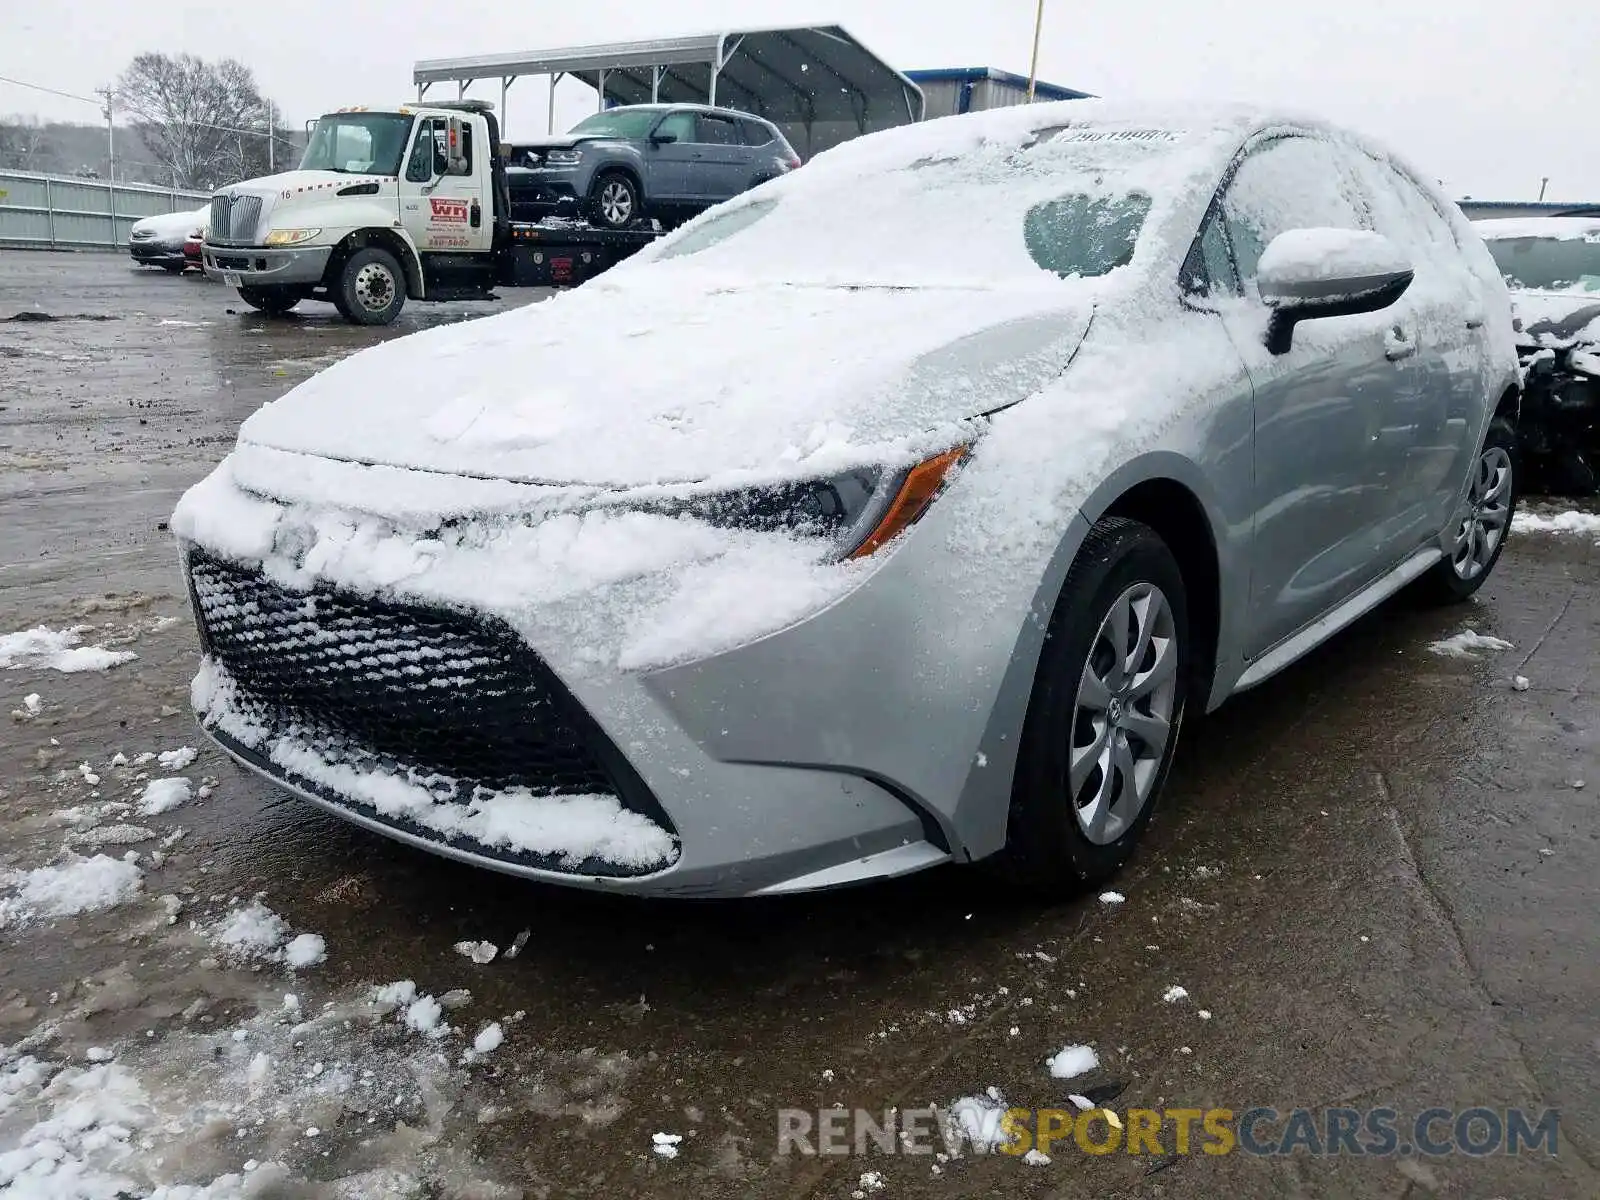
x,y
637,162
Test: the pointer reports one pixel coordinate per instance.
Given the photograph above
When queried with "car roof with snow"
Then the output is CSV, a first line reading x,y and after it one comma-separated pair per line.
x,y
1558,228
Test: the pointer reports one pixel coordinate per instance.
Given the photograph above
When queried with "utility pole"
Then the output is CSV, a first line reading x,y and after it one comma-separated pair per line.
x,y
272,138
1033,69
1543,183
111,163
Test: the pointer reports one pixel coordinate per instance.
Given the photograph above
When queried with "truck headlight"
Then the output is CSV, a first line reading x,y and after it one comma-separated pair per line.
x,y
290,237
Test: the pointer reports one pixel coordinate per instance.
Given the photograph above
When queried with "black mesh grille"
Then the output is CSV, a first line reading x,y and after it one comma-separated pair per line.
x,y
428,690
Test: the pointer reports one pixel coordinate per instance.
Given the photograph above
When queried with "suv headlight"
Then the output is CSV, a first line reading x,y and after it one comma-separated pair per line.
x,y
290,237
564,158
860,511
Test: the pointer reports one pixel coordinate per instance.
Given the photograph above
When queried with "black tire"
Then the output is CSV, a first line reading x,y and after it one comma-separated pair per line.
x,y
614,201
1449,581
272,301
371,287
1048,851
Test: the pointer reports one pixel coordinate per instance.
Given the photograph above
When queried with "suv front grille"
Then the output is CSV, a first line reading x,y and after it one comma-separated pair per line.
x,y
429,691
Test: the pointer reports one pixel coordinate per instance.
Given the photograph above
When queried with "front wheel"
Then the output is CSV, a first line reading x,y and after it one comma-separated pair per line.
x,y
272,301
1478,531
614,201
371,288
1103,719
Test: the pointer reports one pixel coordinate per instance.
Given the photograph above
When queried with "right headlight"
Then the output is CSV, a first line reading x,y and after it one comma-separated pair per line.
x,y
859,511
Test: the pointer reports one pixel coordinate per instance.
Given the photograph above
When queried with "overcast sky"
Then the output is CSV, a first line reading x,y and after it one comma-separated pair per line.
x,y
1488,95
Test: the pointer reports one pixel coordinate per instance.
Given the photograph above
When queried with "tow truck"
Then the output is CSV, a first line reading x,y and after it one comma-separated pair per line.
x,y
390,205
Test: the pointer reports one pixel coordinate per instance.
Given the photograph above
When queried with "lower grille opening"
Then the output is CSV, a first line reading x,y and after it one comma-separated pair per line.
x,y
416,690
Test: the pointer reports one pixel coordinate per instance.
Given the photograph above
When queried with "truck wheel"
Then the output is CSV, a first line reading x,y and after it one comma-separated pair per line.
x,y
273,301
614,201
371,288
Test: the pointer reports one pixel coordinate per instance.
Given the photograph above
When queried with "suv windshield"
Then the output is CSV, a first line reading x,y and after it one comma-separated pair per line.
x,y
620,122
1549,264
358,143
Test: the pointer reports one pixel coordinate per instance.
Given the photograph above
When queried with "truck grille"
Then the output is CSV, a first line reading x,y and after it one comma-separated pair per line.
x,y
234,220
429,691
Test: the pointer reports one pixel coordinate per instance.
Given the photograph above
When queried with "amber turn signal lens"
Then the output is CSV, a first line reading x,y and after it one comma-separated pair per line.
x,y
921,485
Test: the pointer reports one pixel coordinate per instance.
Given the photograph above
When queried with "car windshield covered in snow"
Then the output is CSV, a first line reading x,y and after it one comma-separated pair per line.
x,y
1556,264
1069,201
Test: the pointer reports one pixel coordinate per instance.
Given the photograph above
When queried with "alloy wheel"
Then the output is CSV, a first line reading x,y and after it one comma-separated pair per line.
x,y
1122,716
1483,526
616,202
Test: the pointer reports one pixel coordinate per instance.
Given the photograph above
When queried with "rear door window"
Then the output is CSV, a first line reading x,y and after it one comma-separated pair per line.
x,y
755,133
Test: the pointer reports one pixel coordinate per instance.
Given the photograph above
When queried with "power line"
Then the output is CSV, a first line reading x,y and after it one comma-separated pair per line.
x,y
101,105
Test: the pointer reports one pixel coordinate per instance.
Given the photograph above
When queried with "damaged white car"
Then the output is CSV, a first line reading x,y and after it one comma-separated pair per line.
x,y
891,514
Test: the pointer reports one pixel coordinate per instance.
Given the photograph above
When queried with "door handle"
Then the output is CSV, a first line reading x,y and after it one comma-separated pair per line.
x,y
1398,343
1474,322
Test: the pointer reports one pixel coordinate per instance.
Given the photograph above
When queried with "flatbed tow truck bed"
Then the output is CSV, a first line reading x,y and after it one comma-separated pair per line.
x,y
563,253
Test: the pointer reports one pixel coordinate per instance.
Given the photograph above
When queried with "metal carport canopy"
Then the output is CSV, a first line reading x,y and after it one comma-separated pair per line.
x,y
816,82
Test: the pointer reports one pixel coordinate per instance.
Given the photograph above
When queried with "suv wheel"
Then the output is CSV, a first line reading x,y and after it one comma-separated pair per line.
x,y
614,201
1103,720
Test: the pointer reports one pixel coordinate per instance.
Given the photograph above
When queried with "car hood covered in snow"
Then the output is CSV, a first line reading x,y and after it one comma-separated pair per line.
x,y
641,382
1556,320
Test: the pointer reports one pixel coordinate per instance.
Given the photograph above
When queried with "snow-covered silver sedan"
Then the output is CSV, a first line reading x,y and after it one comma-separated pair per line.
x,y
891,514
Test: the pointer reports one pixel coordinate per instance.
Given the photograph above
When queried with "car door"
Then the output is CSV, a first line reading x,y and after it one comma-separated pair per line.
x,y
722,167
444,213
1327,455
1453,371
667,163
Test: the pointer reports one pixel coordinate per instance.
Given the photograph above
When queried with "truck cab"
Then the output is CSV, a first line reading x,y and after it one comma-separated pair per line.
x,y
386,205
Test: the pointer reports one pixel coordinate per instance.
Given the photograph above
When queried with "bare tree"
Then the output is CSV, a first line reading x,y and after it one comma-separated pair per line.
x,y
206,122
25,145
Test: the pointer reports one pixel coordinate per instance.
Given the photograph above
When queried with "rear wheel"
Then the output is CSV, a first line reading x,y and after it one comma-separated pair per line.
x,y
273,301
614,201
1478,532
1103,721
371,288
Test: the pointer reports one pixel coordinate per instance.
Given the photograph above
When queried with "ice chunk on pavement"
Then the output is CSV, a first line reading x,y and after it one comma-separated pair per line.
x,y
478,952
1464,644
1174,993
666,1144
978,1120
1520,683
423,1015
1072,1061
305,950
79,886
177,760
33,704
252,932
489,1038
1112,897
163,795
1034,1158
58,650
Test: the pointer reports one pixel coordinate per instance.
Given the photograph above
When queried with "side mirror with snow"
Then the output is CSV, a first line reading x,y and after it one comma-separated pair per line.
x,y
1305,274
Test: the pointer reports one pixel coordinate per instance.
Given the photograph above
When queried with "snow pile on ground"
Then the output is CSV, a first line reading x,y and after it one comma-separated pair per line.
x,y
1572,521
1072,1061
177,760
665,1144
42,648
573,828
256,933
977,1119
163,795
1466,644
80,885
481,953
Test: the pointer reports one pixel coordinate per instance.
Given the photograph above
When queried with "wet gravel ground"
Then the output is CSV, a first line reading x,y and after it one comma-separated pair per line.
x,y
1376,874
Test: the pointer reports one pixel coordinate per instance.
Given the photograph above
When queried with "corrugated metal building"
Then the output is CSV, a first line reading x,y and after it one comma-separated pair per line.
x,y
1479,209
952,90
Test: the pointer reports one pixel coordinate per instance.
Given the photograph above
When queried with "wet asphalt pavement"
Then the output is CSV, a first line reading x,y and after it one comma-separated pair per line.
x,y
1376,874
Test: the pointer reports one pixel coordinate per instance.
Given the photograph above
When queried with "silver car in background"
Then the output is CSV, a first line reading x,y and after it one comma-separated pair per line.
x,y
892,515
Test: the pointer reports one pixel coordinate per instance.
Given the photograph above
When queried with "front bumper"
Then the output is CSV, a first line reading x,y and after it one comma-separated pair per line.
x,y
156,253
546,191
258,266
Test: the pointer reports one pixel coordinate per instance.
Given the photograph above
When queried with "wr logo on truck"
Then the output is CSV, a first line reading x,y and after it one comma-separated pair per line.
x,y
449,210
